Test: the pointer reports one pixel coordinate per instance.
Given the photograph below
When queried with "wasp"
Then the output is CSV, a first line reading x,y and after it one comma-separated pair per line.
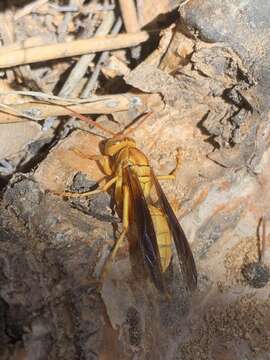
x,y
146,213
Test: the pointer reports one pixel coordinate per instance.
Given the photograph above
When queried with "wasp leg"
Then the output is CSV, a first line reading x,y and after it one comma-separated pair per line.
x,y
172,175
103,188
119,241
166,177
103,161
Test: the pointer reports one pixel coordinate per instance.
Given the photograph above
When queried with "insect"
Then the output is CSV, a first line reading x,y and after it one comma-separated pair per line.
x,y
143,207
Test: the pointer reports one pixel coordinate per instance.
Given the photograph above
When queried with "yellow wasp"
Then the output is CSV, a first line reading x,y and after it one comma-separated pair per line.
x,y
143,207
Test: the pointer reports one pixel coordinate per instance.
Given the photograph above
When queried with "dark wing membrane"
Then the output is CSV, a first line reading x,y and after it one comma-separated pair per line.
x,y
146,232
184,252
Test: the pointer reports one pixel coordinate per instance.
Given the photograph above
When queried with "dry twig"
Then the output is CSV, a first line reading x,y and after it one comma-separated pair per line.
x,y
82,65
73,48
39,110
129,14
103,57
27,9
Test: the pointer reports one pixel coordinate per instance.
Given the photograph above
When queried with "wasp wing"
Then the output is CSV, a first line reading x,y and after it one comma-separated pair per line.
x,y
146,233
184,252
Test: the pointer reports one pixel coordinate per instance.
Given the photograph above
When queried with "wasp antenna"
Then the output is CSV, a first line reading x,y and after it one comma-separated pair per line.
x,y
139,122
89,120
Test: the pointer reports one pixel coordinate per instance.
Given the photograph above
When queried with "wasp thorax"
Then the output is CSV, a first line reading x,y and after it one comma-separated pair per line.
x,y
114,145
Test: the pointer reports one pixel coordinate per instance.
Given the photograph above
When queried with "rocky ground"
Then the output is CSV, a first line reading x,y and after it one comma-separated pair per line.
x,y
205,78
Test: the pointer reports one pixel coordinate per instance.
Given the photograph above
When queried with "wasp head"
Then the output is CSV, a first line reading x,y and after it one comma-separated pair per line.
x,y
113,145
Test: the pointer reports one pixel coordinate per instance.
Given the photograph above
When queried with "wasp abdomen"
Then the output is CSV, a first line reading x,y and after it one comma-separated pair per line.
x,y
163,234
